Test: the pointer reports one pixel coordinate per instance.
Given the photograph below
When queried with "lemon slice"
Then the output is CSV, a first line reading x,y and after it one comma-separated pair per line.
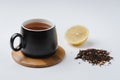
x,y
77,35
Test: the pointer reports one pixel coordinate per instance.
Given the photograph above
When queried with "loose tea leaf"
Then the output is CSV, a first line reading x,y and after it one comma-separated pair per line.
x,y
94,56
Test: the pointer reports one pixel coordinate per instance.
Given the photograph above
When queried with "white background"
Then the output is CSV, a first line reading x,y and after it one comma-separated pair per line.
x,y
101,17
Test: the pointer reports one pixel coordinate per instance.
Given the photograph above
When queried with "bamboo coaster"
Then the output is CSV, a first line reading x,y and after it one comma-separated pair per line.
x,y
20,58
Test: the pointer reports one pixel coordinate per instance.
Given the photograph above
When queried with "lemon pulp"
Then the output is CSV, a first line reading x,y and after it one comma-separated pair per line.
x,y
77,34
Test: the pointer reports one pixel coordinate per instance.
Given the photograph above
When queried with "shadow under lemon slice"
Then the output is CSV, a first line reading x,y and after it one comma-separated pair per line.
x,y
77,35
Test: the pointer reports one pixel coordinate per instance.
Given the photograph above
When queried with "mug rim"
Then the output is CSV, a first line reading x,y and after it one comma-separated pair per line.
x,y
38,20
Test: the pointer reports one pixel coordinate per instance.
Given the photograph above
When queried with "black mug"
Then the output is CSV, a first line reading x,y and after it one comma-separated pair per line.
x,y
38,38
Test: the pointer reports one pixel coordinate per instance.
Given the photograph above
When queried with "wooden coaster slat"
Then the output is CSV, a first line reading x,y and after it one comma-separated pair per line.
x,y
20,58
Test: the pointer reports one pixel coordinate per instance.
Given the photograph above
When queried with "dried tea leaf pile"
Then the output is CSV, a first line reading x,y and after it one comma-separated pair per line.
x,y
94,56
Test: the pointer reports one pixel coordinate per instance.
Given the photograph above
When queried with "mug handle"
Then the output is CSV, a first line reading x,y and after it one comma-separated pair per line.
x,y
12,41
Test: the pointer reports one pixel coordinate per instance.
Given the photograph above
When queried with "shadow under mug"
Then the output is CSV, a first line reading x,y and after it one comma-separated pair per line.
x,y
36,43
